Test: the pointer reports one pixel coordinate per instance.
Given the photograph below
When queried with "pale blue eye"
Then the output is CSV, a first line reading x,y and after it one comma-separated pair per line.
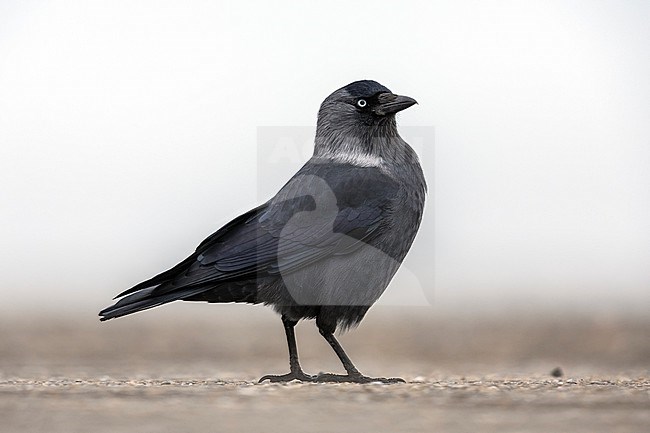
x,y
361,103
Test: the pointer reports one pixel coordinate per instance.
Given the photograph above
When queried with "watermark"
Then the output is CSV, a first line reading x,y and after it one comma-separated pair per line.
x,y
311,230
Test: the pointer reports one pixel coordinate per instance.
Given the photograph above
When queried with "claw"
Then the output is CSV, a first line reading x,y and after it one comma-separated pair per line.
x,y
287,377
355,378
329,378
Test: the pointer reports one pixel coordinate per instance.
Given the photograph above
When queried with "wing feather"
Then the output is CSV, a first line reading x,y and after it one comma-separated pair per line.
x,y
325,210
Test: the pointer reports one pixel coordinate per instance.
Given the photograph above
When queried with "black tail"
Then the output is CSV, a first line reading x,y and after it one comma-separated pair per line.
x,y
162,289
145,299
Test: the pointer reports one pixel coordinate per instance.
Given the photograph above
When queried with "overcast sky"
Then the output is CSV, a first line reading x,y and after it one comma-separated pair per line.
x,y
129,131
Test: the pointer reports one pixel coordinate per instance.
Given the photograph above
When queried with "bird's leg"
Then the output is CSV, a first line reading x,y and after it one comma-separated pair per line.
x,y
353,375
296,372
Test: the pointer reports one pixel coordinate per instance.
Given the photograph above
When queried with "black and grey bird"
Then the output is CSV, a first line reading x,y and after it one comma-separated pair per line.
x,y
327,245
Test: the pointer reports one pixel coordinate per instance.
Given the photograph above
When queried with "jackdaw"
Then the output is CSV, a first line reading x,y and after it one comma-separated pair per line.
x,y
327,245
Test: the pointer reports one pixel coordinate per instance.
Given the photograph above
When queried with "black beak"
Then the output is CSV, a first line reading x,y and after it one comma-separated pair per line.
x,y
390,103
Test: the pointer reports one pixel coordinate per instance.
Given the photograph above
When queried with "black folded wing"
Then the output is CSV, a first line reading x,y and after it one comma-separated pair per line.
x,y
324,210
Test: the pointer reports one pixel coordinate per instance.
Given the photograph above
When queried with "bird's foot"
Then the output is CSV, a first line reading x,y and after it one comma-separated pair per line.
x,y
329,378
294,375
354,378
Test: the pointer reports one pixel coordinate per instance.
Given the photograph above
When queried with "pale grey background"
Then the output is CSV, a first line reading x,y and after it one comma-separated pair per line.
x,y
128,133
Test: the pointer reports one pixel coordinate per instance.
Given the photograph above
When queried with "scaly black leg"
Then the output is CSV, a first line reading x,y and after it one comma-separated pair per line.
x,y
353,374
296,372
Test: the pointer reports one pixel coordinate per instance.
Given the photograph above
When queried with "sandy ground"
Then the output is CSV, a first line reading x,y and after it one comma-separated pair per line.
x,y
195,369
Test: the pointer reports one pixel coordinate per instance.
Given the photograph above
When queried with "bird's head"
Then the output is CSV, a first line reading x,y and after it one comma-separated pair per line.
x,y
358,115
363,103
